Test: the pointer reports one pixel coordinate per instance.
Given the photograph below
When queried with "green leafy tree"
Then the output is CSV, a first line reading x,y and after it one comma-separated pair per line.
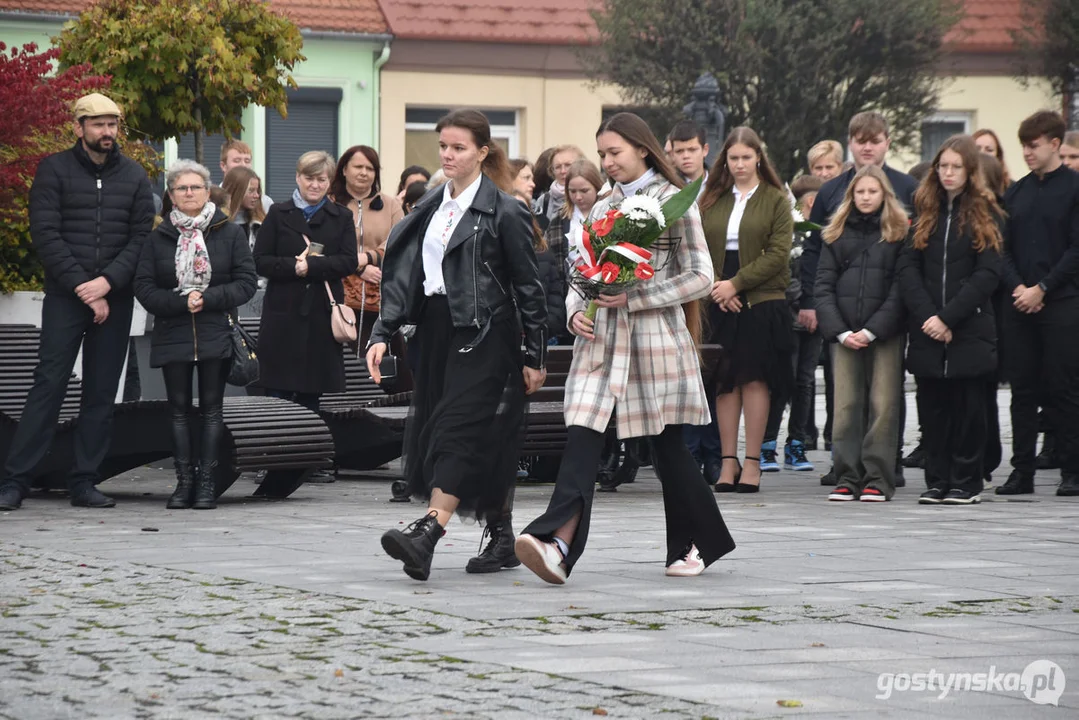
x,y
1049,42
794,70
187,67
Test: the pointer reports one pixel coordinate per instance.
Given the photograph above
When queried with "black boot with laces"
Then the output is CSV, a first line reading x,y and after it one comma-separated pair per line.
x,y
499,551
415,547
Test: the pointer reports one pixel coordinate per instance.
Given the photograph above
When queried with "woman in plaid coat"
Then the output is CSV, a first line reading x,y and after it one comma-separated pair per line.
x,y
638,364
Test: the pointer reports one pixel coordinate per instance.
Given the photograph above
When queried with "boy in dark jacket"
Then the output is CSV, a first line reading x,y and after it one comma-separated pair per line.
x,y
90,209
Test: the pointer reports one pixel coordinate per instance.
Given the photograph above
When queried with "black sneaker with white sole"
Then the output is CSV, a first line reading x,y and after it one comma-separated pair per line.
x,y
961,497
932,496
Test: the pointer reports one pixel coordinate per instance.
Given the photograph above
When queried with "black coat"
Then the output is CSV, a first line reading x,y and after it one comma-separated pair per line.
x,y
87,220
951,280
829,198
856,284
488,263
179,335
297,352
553,276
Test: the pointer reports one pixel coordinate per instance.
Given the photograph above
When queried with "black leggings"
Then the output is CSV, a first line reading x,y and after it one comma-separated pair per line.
x,y
178,382
688,502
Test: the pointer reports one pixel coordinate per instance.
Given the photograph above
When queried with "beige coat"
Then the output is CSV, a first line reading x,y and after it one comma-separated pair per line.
x,y
643,363
376,230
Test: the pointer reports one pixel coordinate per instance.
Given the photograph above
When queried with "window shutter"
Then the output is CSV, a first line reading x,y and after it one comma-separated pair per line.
x,y
211,153
312,124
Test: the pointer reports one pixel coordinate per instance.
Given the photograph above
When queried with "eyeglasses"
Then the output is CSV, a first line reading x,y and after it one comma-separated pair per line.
x,y
184,189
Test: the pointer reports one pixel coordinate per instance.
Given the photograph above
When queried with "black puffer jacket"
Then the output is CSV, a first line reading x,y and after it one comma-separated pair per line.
x,y
89,221
554,287
488,262
856,285
179,335
951,280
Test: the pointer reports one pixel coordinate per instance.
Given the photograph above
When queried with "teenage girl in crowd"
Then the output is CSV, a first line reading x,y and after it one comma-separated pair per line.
x,y
858,307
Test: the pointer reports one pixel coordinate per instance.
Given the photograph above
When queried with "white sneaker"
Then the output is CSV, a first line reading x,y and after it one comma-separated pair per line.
x,y
544,559
689,565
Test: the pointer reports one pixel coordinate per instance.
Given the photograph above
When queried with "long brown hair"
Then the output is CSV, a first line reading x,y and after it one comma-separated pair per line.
x,y
978,208
999,154
582,169
720,179
235,184
894,223
636,132
496,165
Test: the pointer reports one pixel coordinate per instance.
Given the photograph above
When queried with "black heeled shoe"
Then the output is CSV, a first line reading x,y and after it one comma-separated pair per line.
x,y
722,487
743,488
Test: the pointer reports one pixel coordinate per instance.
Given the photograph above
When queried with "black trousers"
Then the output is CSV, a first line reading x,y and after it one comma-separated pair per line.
x,y
954,429
688,502
801,425
1042,365
66,324
178,390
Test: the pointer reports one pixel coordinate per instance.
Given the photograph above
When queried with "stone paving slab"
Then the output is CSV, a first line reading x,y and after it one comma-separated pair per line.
x,y
290,609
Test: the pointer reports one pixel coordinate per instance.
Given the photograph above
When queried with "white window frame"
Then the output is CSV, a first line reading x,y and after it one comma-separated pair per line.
x,y
510,133
954,116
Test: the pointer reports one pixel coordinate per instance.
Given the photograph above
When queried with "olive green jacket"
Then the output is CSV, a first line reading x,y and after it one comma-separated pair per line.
x,y
764,242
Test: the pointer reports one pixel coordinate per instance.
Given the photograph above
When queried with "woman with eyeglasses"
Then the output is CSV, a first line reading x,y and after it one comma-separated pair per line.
x,y
194,270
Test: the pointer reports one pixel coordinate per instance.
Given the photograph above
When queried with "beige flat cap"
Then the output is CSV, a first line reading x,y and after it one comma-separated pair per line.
x,y
95,104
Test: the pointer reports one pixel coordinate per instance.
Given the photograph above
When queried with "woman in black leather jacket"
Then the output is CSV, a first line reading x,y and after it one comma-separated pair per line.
x,y
461,267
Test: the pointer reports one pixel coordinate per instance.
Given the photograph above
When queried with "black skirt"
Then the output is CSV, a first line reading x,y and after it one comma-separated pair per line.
x,y
758,342
466,422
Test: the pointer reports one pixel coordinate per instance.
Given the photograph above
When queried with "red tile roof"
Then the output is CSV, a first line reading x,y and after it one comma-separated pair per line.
x,y
986,26
354,16
549,22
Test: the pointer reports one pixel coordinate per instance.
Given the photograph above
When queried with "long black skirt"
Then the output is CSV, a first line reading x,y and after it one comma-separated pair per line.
x,y
758,343
466,423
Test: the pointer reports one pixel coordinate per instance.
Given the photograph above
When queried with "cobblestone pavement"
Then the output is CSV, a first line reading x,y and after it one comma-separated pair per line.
x,y
290,610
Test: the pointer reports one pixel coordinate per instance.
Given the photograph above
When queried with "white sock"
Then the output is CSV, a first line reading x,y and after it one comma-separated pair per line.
x,y
562,546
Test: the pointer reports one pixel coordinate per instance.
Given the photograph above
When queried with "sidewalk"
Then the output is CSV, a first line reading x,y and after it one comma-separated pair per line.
x,y
290,610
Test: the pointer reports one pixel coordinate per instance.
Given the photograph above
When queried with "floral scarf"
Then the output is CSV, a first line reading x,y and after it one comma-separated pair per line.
x,y
192,258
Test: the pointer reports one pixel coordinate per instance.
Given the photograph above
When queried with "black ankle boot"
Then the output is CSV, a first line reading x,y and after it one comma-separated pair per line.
x,y
184,494
499,551
1069,486
415,546
1047,458
1018,484
206,488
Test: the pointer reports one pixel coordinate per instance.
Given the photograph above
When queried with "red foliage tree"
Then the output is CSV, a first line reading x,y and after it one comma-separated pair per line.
x,y
36,122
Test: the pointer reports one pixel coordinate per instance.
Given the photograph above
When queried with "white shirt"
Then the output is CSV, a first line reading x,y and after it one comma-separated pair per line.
x,y
630,189
439,232
740,202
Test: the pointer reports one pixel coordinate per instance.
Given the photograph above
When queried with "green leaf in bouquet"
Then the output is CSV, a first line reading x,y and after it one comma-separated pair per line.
x,y
681,202
806,226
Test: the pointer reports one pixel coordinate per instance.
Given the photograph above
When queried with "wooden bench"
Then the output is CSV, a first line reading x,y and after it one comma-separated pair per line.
x,y
260,433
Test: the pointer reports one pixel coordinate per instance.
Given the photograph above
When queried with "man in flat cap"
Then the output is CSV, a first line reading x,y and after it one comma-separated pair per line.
x,y
90,209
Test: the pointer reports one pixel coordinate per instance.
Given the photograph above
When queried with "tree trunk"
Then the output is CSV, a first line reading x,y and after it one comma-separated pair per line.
x,y
198,136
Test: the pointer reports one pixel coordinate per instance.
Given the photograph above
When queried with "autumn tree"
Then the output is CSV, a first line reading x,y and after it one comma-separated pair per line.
x,y
1049,41
187,67
794,70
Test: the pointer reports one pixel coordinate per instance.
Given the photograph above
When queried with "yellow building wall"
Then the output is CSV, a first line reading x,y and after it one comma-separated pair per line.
x,y
999,103
551,111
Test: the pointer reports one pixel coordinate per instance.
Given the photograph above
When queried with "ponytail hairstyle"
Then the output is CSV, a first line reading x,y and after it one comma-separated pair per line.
x,y
496,165
894,223
979,212
720,179
636,132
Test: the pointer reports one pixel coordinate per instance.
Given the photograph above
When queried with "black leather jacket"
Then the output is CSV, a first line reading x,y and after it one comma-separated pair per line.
x,y
489,269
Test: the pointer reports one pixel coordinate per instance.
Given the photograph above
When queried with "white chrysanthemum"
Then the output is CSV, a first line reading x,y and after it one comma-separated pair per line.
x,y
642,208
796,252
797,215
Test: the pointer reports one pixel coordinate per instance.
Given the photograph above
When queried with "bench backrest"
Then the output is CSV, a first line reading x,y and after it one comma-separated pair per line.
x,y
18,357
